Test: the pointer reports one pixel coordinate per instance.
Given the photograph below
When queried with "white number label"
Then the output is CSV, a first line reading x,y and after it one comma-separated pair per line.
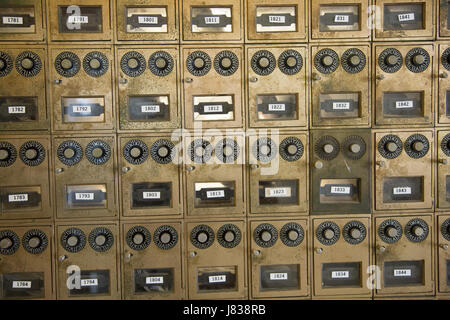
x,y
12,20
406,17
212,20
340,190
278,192
341,18
84,196
278,276
213,109
21,285
215,194
78,19
402,190
151,195
148,20
341,105
150,109
89,282
277,19
402,273
154,280
340,274
18,197
81,109
404,104
16,109
277,107
217,279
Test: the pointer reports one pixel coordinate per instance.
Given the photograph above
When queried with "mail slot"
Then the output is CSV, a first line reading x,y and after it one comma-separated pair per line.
x,y
24,177
148,88
88,265
278,171
340,86
341,256
216,260
404,255
341,171
403,170
152,260
212,87
443,170
279,258
22,21
137,21
85,176
150,176
277,86
443,84
275,21
443,267
443,17
400,102
81,88
210,191
339,20
399,19
23,104
79,21
212,21
26,266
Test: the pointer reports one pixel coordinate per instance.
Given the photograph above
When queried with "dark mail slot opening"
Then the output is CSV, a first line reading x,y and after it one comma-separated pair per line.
x,y
339,18
341,275
148,194
92,283
80,19
18,109
154,280
447,188
340,105
277,106
340,191
447,103
214,194
279,277
448,15
448,272
278,192
146,19
18,20
210,279
20,198
403,189
404,273
81,109
404,16
403,104
84,196
148,108
276,19
22,285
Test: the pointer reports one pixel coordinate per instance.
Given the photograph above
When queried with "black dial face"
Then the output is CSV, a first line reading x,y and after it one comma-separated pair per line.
x,y
226,63
263,62
135,152
326,61
198,63
161,63
67,64
6,64
28,64
96,64
133,64
390,60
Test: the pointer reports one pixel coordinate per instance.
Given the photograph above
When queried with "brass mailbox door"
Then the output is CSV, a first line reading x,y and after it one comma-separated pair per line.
x,y
78,21
443,254
148,99
342,19
88,265
277,92
212,87
341,171
85,176
214,175
26,265
25,177
150,176
404,255
443,170
403,170
340,86
23,104
341,256
216,260
399,19
276,21
398,102
279,258
443,97
22,21
140,21
212,21
278,170
81,86
443,18
152,260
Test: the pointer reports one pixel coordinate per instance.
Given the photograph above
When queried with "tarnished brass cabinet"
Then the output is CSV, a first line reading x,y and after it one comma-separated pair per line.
x,y
23,102
276,21
26,261
341,86
216,259
443,170
150,177
404,255
443,267
152,261
139,20
82,88
341,256
25,177
22,21
277,86
148,80
85,176
88,261
279,258
443,86
403,85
